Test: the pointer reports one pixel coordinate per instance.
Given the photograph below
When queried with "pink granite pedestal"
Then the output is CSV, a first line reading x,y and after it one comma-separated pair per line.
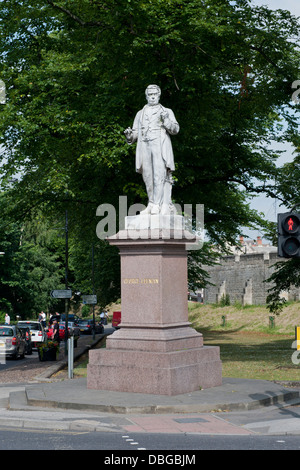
x,y
155,351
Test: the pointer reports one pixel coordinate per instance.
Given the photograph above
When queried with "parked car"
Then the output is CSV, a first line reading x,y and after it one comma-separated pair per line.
x,y
27,336
116,320
72,328
71,318
86,327
38,334
61,330
12,342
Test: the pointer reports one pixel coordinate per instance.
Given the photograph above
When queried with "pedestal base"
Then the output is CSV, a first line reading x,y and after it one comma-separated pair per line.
x,y
155,351
169,373
170,360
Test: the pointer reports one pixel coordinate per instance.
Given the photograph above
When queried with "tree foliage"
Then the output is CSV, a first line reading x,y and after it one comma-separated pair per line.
x,y
287,271
75,74
30,268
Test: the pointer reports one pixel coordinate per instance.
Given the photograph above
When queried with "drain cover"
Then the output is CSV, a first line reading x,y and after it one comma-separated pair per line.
x,y
191,420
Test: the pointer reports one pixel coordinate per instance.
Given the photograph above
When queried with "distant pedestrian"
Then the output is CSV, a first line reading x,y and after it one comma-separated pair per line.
x,y
43,319
55,328
103,317
7,319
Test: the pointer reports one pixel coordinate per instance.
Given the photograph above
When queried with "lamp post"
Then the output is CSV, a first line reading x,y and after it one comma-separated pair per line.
x,y
66,285
93,283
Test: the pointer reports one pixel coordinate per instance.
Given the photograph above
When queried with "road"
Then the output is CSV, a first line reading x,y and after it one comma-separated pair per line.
x,y
28,368
9,362
175,444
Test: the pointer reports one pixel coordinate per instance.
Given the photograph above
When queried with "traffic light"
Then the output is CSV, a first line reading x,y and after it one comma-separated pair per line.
x,y
289,235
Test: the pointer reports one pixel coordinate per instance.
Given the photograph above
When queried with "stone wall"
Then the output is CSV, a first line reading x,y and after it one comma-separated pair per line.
x,y
242,278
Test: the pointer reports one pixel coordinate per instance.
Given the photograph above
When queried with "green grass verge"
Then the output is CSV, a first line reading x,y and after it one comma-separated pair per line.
x,y
251,346
254,355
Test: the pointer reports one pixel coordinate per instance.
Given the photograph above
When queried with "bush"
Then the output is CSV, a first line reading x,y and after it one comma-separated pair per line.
x,y
85,311
225,300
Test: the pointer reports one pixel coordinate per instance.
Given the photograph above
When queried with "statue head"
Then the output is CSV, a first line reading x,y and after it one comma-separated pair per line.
x,y
153,93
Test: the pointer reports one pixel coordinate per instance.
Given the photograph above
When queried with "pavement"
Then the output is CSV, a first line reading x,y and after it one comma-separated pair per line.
x,y
236,407
232,395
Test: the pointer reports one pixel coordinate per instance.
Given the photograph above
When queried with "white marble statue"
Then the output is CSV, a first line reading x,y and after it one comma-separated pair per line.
x,y
152,128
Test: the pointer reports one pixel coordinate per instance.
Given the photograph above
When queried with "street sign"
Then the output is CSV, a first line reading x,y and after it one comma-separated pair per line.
x,y
61,294
89,299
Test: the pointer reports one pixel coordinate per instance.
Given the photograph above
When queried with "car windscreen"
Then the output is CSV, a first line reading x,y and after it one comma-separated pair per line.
x,y
4,331
32,326
24,328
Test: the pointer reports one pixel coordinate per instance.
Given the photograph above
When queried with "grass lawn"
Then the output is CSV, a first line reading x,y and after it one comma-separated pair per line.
x,y
254,355
249,348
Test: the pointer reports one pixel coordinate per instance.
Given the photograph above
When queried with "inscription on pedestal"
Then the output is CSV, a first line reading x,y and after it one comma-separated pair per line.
x,y
140,281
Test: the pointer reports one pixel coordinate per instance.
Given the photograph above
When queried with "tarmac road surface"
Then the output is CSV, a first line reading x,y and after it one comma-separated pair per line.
x,y
142,447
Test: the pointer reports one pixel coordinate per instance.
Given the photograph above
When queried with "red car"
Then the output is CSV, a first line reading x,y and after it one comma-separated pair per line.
x,y
73,331
61,329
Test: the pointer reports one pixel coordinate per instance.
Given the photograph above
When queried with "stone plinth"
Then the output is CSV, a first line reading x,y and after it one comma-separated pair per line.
x,y
152,222
155,351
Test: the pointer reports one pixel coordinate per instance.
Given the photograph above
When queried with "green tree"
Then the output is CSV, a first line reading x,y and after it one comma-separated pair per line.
x,y
75,73
30,267
287,271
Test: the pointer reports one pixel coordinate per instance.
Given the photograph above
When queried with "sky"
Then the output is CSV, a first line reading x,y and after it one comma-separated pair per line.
x,y
291,5
270,207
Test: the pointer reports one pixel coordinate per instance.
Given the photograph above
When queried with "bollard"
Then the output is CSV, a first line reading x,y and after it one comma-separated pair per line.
x,y
271,322
223,320
297,337
70,357
3,351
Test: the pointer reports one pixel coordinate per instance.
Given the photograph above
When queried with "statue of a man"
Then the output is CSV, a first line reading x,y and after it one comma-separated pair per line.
x,y
152,128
